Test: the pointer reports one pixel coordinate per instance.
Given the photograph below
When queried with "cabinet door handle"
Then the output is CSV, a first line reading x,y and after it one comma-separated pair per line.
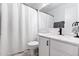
x,y
47,43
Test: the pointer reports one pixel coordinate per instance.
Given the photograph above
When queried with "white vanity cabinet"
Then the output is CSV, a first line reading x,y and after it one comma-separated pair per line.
x,y
59,48
54,47
43,46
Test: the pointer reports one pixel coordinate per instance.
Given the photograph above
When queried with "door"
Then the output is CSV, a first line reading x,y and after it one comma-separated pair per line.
x,y
43,46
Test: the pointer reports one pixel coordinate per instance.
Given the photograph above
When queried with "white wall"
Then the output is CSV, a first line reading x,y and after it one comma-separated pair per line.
x,y
0,18
70,17
45,22
58,14
78,12
67,13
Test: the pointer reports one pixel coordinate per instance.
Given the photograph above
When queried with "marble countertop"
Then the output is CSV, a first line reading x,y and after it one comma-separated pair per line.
x,y
65,38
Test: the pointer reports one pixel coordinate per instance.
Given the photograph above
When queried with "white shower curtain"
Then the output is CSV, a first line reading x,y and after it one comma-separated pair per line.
x,y
18,26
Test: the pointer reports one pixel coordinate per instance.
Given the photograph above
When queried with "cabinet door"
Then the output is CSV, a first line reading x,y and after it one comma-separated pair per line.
x,y
44,46
58,48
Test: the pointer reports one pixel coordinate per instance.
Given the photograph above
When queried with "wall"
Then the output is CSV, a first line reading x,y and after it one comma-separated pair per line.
x,y
58,14
67,13
45,22
70,17
0,18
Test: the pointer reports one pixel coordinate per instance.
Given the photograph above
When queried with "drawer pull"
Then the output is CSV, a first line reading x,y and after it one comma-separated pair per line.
x,y
47,43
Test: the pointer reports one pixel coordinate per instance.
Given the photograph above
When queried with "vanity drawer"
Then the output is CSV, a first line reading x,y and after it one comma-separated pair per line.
x,y
64,47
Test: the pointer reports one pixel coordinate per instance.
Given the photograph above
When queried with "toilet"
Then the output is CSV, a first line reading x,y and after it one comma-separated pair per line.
x,y
32,46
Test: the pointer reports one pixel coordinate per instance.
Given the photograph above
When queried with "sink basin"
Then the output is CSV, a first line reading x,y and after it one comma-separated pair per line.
x,y
68,35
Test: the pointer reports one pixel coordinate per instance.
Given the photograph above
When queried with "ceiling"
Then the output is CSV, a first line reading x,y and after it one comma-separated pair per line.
x,y
34,5
50,7
44,7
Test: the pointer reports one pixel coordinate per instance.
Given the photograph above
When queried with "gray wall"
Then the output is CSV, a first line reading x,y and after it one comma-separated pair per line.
x,y
0,18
